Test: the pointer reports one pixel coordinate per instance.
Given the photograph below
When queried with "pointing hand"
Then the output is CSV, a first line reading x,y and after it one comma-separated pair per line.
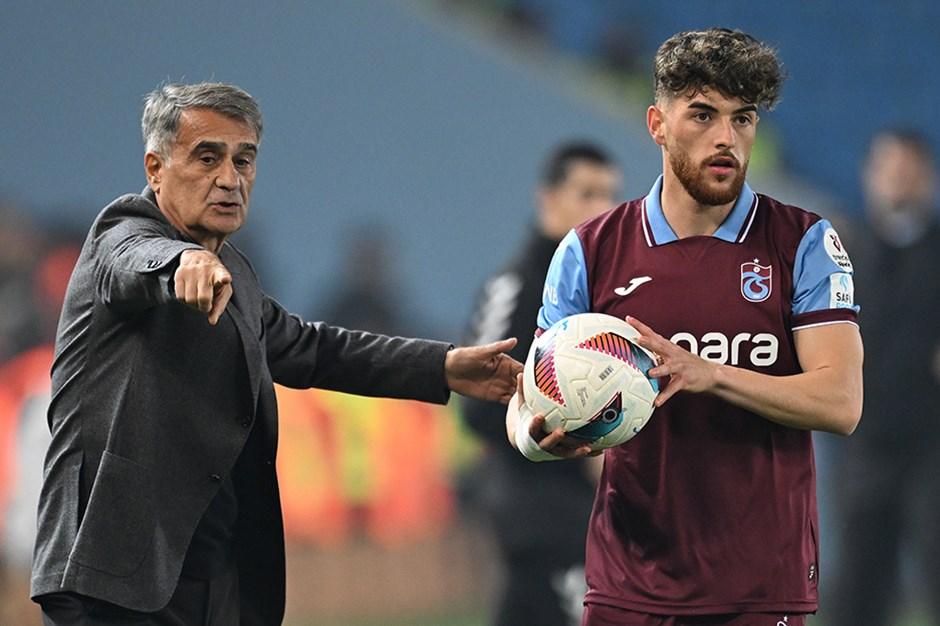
x,y
203,283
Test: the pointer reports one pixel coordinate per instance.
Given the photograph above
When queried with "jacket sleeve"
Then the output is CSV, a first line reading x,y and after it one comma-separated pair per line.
x,y
135,262
313,354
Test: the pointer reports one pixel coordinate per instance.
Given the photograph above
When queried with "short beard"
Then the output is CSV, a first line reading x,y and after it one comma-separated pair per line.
x,y
692,179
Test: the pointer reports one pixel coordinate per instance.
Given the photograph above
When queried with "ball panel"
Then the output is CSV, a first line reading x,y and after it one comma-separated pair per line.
x,y
584,374
544,371
608,419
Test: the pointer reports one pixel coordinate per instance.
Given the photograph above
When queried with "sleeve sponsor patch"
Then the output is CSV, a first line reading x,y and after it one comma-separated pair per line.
x,y
822,272
841,291
836,250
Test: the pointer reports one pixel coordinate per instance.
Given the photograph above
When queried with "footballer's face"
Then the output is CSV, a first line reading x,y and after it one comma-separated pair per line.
x,y
204,184
588,189
706,140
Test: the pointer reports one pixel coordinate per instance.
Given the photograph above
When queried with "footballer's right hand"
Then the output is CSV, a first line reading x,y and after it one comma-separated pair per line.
x,y
535,443
203,283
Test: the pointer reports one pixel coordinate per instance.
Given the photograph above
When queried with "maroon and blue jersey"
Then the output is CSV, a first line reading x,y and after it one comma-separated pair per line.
x,y
710,508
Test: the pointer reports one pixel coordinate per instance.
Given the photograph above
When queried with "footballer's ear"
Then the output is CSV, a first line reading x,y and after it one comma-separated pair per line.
x,y
153,166
654,123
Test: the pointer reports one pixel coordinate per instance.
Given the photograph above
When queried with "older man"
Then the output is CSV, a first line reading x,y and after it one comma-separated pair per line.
x,y
160,502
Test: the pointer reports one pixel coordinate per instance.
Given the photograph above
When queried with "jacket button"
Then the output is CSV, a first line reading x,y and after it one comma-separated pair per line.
x,y
246,423
215,478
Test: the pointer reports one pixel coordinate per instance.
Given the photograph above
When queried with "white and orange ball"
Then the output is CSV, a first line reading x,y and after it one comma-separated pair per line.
x,y
586,375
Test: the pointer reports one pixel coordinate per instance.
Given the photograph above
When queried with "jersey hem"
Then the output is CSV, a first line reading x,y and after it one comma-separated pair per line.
x,y
815,318
801,327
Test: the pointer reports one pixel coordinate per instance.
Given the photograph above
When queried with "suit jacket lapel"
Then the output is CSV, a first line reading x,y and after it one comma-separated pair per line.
x,y
250,339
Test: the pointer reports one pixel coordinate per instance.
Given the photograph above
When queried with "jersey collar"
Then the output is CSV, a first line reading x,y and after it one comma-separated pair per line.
x,y
733,230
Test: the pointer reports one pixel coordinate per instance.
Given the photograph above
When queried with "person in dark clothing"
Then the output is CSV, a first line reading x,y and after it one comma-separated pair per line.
x,y
889,483
539,514
160,502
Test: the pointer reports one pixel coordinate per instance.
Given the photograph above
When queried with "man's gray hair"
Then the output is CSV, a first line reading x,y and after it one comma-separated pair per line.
x,y
162,107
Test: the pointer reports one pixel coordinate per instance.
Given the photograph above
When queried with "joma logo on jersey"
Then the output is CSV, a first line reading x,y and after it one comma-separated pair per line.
x,y
755,281
760,349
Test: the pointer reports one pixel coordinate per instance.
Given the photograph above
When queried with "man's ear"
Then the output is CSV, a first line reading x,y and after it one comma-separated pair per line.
x,y
153,166
654,124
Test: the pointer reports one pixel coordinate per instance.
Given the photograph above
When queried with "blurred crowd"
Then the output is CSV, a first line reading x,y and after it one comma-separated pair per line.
x,y
35,265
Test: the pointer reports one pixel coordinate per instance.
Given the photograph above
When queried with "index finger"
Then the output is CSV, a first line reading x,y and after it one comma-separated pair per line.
x,y
222,296
503,345
649,338
640,326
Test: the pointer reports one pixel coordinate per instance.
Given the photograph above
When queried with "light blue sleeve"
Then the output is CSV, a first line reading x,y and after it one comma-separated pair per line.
x,y
566,289
822,272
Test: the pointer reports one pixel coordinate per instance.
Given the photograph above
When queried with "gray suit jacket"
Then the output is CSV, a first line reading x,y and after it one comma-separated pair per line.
x,y
139,444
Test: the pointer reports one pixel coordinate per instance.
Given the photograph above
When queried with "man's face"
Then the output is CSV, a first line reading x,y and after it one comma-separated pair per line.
x,y
897,178
707,139
589,189
204,185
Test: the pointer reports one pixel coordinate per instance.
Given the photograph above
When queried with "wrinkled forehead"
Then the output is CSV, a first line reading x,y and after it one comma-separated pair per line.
x,y
198,125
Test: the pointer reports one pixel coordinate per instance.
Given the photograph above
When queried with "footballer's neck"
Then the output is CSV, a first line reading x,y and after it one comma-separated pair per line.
x,y
687,216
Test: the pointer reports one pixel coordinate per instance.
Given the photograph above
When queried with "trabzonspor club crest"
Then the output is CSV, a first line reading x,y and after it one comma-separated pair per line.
x,y
755,281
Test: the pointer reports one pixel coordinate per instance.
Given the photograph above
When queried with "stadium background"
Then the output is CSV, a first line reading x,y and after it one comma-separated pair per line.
x,y
421,124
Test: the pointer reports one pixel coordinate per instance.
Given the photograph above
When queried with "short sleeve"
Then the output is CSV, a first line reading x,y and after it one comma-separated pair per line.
x,y
823,288
566,288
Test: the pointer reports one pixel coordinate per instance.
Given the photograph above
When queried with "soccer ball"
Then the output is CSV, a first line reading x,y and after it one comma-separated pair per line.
x,y
586,376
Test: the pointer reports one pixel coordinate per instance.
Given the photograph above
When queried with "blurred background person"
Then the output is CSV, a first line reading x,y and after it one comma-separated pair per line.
x,y
538,512
889,485
369,294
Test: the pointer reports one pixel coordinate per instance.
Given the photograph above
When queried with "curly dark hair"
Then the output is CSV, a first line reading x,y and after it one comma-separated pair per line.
x,y
733,62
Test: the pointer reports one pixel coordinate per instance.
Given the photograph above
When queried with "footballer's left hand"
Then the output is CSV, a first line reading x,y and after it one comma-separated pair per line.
x,y
685,371
526,432
483,372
